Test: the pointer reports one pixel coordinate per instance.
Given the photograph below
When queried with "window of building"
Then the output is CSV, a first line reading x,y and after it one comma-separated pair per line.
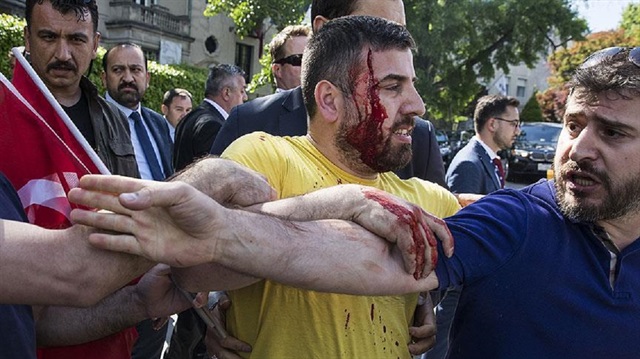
x,y
506,87
522,87
244,55
145,2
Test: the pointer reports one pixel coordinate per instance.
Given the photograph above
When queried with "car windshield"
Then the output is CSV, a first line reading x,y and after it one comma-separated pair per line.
x,y
547,134
441,136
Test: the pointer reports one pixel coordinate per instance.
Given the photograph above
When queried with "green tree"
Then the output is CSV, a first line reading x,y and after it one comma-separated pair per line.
x,y
248,15
163,77
11,35
461,43
531,111
564,61
631,21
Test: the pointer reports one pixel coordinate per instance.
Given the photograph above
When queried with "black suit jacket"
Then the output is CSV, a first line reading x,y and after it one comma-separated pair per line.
x,y
195,134
284,114
160,132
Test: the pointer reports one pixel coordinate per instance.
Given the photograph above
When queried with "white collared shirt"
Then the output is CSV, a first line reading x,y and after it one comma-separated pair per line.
x,y
224,113
491,154
143,165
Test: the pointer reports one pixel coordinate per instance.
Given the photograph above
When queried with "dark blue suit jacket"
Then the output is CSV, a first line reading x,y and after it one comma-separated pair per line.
x,y
284,114
471,170
195,134
160,132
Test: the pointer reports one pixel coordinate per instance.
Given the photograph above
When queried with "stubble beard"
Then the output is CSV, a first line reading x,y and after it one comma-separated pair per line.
x,y
387,157
620,200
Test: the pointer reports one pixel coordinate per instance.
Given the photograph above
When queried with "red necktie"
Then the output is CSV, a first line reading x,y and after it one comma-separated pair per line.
x,y
498,164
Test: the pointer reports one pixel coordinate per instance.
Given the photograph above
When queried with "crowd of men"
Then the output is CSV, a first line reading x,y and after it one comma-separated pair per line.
x,y
327,219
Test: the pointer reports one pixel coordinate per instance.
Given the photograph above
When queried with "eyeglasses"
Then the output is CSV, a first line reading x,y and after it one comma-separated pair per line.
x,y
600,55
514,123
293,60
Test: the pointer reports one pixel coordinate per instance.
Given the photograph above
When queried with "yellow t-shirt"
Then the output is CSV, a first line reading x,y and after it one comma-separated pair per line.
x,y
285,322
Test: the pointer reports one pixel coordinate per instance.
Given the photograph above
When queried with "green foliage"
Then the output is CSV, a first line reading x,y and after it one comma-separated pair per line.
x,y
163,77
631,21
264,77
461,44
248,15
531,111
11,35
564,61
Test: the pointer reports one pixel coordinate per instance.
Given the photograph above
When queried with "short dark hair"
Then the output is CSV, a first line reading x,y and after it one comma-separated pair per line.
x,y
79,7
332,9
335,52
123,44
491,106
219,78
171,94
611,74
276,46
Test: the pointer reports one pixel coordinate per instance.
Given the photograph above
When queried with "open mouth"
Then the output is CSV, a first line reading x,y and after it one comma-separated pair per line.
x,y
581,180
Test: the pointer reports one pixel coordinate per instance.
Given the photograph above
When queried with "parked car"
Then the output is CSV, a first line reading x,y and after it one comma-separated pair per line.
x,y
445,147
459,139
534,149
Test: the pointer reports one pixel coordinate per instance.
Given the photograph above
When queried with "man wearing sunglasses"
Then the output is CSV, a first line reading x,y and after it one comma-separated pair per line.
x,y
553,270
284,114
286,51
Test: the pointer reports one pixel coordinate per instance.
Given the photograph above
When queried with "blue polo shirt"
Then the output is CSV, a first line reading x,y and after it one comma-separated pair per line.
x,y
17,330
536,284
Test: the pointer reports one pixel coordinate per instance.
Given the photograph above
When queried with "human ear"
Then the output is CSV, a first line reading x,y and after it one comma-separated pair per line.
x,y
329,100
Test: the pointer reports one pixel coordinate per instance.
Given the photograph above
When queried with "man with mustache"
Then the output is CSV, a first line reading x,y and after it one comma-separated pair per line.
x,y
358,87
552,270
62,39
284,113
61,53
126,78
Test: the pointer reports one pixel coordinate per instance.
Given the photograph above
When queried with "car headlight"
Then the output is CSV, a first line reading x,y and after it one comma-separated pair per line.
x,y
522,153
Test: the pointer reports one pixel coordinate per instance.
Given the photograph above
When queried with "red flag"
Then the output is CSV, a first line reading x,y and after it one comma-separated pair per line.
x,y
36,161
44,155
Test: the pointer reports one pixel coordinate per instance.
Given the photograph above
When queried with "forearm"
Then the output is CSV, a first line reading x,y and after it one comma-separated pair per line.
x,y
211,277
62,326
227,182
40,266
329,255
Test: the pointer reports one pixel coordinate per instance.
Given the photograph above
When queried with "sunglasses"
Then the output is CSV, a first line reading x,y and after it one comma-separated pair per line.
x,y
293,60
599,56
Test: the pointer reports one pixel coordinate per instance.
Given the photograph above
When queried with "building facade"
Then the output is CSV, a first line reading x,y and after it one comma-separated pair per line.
x,y
173,31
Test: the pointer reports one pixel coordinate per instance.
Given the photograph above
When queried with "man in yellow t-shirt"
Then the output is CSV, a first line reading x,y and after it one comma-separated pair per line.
x,y
358,88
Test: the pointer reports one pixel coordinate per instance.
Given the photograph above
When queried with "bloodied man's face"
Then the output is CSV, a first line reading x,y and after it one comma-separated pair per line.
x,y
374,134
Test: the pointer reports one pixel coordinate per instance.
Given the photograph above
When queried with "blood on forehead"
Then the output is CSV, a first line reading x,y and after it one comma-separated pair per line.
x,y
367,136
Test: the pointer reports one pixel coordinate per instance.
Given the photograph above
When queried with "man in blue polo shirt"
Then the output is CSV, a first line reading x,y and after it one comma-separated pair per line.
x,y
553,270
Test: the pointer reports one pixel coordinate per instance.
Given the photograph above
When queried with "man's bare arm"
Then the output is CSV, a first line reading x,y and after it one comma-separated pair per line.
x,y
153,296
59,267
175,224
